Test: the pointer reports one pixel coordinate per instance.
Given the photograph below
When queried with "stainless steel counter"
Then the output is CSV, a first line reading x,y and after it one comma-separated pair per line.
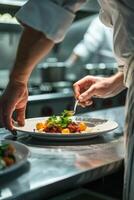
x,y
54,167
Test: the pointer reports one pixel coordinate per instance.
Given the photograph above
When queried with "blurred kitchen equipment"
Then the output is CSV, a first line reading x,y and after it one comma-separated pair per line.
x,y
52,71
101,69
4,78
62,86
49,87
40,88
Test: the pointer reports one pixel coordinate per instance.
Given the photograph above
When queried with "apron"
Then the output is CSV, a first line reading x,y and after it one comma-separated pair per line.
x,y
114,14
129,140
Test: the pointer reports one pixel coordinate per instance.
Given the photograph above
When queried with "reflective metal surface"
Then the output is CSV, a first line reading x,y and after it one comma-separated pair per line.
x,y
54,167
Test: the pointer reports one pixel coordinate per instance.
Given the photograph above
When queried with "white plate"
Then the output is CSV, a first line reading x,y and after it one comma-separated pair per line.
x,y
22,153
97,127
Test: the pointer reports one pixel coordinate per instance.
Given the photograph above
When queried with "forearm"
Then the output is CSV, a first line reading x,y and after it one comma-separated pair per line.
x,y
32,48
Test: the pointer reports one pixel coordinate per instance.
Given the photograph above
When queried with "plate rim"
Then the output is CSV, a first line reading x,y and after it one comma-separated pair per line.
x,y
70,135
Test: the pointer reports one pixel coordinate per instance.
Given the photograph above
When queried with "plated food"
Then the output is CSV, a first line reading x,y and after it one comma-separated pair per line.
x,y
7,157
13,155
63,123
65,127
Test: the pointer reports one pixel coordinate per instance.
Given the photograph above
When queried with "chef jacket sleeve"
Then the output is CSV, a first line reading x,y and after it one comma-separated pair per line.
x,y
52,17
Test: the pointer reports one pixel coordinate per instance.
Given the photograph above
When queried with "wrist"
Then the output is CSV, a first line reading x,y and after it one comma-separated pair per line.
x,y
119,77
19,73
16,87
18,77
118,80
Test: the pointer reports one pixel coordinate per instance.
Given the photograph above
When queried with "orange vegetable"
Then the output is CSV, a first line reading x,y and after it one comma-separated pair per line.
x,y
39,125
82,126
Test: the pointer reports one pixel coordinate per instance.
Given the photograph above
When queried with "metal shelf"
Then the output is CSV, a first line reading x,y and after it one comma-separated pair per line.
x,y
9,27
12,2
10,6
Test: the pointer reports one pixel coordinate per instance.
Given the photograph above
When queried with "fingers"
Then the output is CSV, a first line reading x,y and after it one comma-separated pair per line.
x,y
86,98
83,84
7,120
87,95
90,87
83,90
87,103
13,101
20,116
76,90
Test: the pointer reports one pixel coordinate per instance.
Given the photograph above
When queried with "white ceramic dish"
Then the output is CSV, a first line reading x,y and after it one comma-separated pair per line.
x,y
96,127
22,153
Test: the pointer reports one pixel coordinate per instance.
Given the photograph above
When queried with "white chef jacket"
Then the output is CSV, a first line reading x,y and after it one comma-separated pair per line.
x,y
53,17
97,34
120,16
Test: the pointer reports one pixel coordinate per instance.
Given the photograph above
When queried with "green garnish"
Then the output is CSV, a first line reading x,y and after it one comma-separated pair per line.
x,y
60,121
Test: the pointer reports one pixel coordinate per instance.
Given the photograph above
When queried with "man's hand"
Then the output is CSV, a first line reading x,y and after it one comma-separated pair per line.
x,y
92,86
14,99
33,46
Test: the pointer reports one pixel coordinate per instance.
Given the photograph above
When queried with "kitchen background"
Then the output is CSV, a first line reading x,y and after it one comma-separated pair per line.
x,y
50,94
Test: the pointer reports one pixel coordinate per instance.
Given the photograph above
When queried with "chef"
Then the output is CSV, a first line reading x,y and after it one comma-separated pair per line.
x,y
96,45
45,23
